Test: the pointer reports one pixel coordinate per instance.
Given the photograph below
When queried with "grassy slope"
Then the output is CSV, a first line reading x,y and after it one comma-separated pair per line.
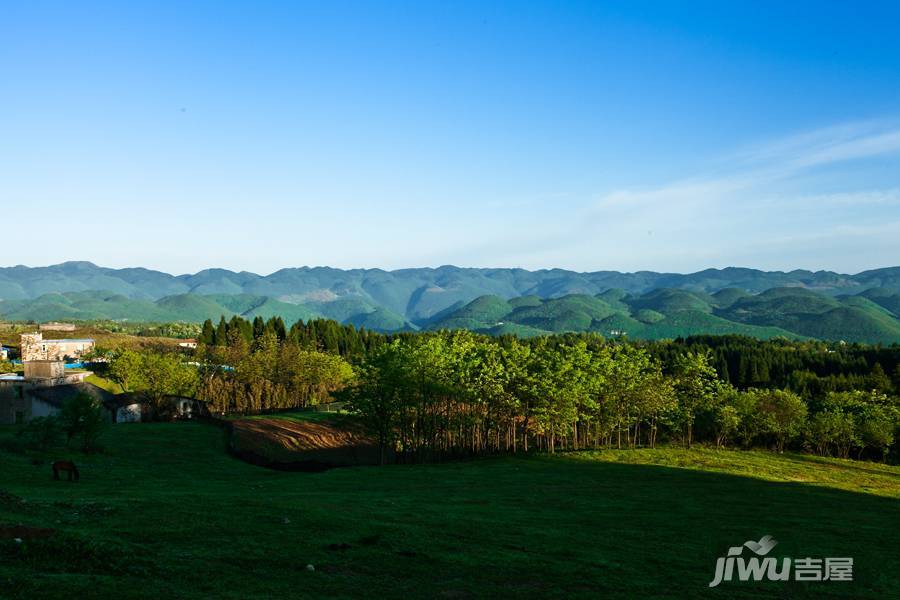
x,y
165,513
106,384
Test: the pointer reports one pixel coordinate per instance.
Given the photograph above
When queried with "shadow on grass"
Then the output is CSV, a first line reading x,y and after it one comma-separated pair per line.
x,y
542,527
669,525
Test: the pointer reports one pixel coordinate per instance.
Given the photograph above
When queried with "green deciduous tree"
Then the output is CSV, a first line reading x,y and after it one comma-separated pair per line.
x,y
695,386
783,415
82,417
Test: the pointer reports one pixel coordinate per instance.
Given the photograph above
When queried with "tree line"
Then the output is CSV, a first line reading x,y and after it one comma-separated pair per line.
x,y
810,368
318,334
459,393
426,396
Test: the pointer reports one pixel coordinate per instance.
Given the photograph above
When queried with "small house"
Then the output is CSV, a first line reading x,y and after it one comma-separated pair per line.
x,y
35,347
22,400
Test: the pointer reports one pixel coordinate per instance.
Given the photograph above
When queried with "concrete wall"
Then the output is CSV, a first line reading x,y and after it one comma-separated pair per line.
x,y
45,369
39,408
13,400
129,414
57,327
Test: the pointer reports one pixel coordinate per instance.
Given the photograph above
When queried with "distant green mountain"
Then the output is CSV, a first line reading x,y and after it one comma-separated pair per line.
x,y
655,315
420,295
849,318
87,306
821,304
668,313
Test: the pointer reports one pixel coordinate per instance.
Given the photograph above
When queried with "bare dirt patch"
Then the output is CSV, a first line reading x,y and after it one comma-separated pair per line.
x,y
293,444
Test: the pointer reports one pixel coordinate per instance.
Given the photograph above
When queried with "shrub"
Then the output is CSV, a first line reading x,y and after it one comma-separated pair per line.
x,y
41,433
82,418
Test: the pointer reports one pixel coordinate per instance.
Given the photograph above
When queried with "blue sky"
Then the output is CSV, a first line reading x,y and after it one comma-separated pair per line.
x,y
588,136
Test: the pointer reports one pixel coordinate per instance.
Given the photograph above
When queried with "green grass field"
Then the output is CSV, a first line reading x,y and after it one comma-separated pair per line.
x,y
102,382
166,513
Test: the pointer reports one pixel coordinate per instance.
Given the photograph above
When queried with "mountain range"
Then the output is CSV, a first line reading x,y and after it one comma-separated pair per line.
x,y
820,304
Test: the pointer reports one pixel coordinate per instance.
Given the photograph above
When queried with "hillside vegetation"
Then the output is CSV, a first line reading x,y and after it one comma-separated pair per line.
x,y
798,304
667,313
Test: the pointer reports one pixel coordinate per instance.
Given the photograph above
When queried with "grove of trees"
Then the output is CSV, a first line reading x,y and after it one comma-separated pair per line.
x,y
426,396
457,393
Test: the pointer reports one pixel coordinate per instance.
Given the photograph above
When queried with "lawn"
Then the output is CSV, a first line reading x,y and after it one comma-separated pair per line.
x,y
102,382
166,513
298,415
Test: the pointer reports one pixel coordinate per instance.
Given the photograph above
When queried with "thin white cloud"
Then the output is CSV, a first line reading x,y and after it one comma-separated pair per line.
x,y
769,163
822,146
766,196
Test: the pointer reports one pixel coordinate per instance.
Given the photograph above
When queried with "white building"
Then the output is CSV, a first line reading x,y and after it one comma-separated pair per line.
x,y
35,347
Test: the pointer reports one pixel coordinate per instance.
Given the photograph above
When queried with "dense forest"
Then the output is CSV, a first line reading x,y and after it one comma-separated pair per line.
x,y
427,396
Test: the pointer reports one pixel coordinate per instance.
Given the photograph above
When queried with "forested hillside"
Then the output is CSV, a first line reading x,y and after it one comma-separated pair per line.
x,y
644,305
668,313
416,293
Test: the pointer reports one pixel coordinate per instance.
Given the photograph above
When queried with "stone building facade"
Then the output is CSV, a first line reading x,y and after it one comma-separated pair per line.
x,y
35,347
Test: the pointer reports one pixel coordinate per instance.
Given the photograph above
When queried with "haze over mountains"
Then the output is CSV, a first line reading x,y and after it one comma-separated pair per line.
x,y
822,304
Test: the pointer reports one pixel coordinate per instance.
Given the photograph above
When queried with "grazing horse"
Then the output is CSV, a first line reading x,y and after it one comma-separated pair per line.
x,y
68,466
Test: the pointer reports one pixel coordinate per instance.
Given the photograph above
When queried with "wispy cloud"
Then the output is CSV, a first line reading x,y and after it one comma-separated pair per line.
x,y
777,160
804,201
843,142
763,196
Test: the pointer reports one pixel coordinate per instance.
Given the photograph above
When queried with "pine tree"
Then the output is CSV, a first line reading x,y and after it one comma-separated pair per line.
x,y
208,334
879,379
221,332
280,329
259,327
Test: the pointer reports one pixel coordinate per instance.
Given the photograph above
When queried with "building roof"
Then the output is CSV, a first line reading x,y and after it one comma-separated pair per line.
x,y
57,394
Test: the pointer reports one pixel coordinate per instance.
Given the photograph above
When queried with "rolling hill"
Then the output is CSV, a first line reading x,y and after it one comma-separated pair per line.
x,y
668,313
823,304
89,306
419,294
655,315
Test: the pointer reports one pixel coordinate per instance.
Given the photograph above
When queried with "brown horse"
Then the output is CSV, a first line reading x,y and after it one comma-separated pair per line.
x,y
68,466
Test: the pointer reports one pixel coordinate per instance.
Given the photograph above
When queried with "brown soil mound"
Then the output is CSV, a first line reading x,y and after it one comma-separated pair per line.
x,y
291,444
23,532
